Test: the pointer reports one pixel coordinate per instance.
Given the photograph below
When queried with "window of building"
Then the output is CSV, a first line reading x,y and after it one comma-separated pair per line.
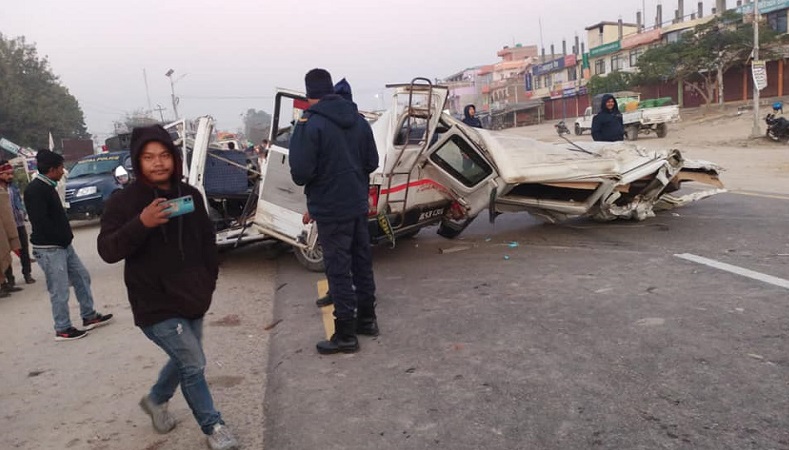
x,y
548,81
634,55
778,21
599,67
537,82
572,74
617,63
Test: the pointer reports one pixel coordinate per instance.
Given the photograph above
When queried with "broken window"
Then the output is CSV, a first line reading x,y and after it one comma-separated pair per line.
x,y
459,159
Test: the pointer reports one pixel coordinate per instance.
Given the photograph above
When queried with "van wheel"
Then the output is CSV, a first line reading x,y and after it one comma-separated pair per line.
x,y
662,130
312,260
632,133
578,130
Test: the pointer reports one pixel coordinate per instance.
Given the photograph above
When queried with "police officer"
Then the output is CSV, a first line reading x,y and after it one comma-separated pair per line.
x,y
332,153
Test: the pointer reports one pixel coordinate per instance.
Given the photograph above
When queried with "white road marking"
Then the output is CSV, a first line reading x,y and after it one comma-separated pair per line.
x,y
769,279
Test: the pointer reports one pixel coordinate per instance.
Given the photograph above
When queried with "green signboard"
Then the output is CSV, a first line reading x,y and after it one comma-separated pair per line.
x,y
606,49
765,6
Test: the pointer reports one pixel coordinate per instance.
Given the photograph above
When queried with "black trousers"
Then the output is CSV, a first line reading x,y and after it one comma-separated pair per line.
x,y
24,255
349,264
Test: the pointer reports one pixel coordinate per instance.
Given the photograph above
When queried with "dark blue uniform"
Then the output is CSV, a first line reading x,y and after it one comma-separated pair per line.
x,y
332,153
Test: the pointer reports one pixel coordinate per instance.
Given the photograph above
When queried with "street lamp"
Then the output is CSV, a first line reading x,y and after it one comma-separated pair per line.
x,y
169,75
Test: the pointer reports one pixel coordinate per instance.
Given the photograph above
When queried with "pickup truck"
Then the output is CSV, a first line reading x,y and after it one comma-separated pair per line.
x,y
436,171
641,121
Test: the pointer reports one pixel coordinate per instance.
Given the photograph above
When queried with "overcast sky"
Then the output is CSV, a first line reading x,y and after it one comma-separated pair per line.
x,y
233,53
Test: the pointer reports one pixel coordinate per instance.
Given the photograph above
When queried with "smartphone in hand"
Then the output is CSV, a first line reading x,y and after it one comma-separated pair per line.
x,y
179,206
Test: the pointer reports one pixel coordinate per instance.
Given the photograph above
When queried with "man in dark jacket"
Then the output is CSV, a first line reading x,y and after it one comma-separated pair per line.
x,y
332,153
607,125
51,239
470,116
171,267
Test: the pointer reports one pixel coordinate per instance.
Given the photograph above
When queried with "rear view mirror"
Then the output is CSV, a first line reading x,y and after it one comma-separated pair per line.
x,y
121,175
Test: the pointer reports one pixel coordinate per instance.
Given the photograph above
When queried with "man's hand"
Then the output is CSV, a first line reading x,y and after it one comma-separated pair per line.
x,y
305,219
154,214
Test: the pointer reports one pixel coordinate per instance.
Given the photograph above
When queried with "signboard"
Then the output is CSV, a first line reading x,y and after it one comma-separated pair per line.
x,y
568,92
759,69
605,49
585,61
548,67
529,82
765,6
10,146
570,60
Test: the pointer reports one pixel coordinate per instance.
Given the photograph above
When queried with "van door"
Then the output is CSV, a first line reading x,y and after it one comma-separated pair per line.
x,y
461,167
281,202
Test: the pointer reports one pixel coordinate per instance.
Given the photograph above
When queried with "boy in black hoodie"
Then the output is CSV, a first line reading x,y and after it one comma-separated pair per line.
x,y
607,125
171,267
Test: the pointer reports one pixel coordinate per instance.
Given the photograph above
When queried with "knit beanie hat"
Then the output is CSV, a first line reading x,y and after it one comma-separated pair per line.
x,y
318,84
47,159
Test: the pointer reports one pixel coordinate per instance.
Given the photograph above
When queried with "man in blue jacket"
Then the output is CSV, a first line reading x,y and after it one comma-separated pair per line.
x,y
332,153
607,124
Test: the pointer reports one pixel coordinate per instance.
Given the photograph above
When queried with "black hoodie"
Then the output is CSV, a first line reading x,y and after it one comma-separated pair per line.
x,y
170,271
332,153
468,119
607,124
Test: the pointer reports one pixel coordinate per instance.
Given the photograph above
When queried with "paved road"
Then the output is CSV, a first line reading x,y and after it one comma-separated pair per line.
x,y
585,335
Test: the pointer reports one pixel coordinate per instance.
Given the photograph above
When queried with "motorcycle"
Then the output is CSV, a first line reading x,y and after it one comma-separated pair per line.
x,y
561,128
777,128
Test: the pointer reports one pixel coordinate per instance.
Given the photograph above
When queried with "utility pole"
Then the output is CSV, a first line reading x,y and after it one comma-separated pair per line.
x,y
169,75
160,109
756,128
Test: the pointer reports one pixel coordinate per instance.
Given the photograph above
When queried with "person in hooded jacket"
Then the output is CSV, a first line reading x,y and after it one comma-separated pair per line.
x,y
470,116
607,125
332,153
171,268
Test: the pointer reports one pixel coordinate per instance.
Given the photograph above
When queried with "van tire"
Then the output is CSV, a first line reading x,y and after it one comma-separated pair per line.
x,y
312,261
578,130
661,130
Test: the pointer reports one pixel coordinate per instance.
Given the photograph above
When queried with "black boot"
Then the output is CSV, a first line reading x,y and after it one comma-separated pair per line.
x,y
343,340
326,300
366,320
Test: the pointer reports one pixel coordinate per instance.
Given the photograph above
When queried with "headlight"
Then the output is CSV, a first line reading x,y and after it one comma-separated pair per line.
x,y
86,191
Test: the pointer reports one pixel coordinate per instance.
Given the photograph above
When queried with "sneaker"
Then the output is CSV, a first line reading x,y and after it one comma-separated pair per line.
x,y
222,438
326,300
96,321
70,334
163,421
29,279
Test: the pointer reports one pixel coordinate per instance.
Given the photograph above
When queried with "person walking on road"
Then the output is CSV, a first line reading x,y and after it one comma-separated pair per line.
x,y
171,268
9,241
20,217
470,116
51,239
607,124
332,153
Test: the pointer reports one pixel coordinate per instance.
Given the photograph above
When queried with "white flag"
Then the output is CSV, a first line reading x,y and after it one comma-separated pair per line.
x,y
51,142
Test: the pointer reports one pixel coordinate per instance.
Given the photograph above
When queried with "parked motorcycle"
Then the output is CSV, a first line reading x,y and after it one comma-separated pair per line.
x,y
561,128
777,128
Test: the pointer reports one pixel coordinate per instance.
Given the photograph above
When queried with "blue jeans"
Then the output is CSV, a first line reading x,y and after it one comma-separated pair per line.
x,y
62,267
182,339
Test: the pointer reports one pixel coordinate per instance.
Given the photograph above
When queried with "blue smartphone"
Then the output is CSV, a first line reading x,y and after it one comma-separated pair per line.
x,y
179,206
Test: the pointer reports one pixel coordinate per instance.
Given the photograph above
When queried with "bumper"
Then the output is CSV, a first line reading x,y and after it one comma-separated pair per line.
x,y
85,208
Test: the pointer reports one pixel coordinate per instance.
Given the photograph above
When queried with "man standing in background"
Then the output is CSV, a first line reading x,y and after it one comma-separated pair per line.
x,y
20,216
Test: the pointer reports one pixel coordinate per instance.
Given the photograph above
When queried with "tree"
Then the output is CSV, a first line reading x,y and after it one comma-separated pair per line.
x,y
705,53
33,102
256,125
613,82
